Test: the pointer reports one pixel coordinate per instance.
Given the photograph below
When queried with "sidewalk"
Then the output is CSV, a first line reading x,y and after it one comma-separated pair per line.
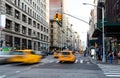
x,y
115,62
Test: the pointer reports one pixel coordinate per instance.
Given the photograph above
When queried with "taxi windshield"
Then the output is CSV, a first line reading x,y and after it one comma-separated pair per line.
x,y
17,53
65,53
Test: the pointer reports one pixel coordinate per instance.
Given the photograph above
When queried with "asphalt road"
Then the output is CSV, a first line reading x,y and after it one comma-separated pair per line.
x,y
51,68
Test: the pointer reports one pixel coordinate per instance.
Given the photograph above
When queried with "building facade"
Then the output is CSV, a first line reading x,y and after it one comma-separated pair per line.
x,y
27,24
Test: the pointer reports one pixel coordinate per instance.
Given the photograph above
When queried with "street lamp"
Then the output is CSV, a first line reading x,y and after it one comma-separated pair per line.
x,y
103,58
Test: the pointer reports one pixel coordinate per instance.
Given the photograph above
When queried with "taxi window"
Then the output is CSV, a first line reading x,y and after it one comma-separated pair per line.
x,y
65,53
17,53
32,52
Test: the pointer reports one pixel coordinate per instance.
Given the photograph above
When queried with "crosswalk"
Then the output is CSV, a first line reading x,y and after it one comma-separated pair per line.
x,y
110,70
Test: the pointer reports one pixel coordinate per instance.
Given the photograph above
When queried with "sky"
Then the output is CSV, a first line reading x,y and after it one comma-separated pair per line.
x,y
77,9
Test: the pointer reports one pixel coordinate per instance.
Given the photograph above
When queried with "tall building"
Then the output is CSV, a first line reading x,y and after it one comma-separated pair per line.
x,y
27,24
55,28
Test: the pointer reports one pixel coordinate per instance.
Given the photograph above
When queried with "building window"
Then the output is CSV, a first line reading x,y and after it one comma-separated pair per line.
x,y
23,30
44,29
29,31
47,30
19,3
24,18
34,24
38,34
51,26
8,24
41,36
15,2
41,28
17,14
8,9
22,6
17,27
30,21
25,8
38,26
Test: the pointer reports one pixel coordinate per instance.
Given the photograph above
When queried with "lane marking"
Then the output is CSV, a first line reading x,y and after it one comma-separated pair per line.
x,y
2,76
17,71
113,75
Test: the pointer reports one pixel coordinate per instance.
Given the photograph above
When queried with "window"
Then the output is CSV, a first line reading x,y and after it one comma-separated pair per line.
x,y
22,6
29,31
24,18
41,36
8,9
38,26
8,24
47,30
34,24
15,2
44,29
17,14
25,7
41,28
38,34
17,27
30,21
23,30
19,3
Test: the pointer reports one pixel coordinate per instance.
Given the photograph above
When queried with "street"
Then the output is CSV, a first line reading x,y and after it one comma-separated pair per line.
x,y
49,67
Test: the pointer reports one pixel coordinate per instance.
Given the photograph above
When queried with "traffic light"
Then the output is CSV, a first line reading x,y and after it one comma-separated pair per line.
x,y
58,17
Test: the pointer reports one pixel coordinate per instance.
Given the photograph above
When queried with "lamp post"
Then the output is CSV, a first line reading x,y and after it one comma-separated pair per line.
x,y
103,41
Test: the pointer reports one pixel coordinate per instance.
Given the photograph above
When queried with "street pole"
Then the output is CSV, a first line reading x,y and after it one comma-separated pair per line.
x,y
103,36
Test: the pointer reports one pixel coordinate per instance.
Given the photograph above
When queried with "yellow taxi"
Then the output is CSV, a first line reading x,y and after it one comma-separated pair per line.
x,y
24,56
66,56
56,54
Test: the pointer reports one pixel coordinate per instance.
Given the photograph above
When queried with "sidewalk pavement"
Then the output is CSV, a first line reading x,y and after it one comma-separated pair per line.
x,y
115,62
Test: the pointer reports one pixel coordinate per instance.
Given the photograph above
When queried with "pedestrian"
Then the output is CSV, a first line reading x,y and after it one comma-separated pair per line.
x,y
85,52
118,57
111,57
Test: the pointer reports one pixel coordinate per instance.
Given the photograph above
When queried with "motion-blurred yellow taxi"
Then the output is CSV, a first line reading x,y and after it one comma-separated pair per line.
x,y
66,56
24,56
56,54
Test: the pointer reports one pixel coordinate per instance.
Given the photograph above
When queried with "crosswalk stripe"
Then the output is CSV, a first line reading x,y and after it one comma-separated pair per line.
x,y
113,75
110,70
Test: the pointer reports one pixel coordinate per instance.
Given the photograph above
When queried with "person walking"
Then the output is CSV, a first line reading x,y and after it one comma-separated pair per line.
x,y
118,57
111,57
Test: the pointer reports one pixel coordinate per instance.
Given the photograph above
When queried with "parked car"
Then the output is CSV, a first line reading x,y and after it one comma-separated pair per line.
x,y
67,56
42,53
24,56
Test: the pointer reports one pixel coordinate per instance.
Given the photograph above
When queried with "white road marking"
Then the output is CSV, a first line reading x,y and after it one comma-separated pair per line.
x,y
17,71
2,76
110,70
76,61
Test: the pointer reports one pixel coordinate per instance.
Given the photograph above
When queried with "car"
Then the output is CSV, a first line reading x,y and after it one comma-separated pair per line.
x,y
56,54
4,55
42,53
24,56
66,56
4,58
